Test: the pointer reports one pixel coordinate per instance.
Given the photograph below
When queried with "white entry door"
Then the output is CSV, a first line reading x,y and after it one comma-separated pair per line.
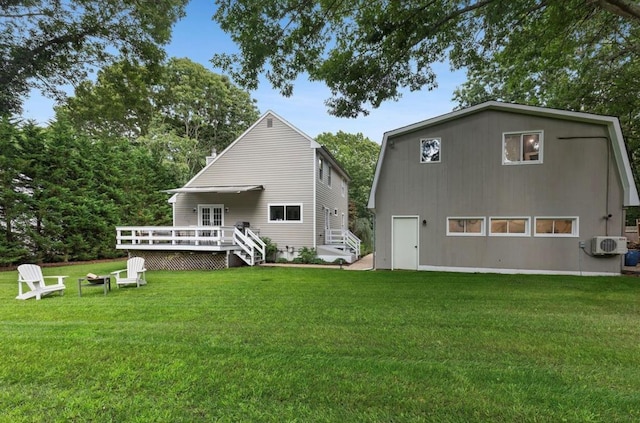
x,y
405,242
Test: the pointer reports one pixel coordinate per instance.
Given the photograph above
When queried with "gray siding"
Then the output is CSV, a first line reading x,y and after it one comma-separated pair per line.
x,y
471,181
277,157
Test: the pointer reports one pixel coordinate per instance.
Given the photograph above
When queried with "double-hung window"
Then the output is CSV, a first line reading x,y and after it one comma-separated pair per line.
x,y
285,212
522,147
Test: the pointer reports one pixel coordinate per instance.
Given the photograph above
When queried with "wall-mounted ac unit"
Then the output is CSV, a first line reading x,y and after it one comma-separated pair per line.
x,y
608,245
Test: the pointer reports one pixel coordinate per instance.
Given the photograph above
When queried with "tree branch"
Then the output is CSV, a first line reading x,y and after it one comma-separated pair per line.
x,y
623,8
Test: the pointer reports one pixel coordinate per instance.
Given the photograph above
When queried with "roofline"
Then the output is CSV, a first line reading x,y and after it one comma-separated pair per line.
x,y
312,143
613,126
336,164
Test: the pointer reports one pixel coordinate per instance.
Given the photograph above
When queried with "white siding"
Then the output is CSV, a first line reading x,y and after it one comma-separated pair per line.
x,y
279,158
331,197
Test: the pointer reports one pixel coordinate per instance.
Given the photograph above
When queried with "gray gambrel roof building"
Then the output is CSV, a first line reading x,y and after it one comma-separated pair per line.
x,y
503,188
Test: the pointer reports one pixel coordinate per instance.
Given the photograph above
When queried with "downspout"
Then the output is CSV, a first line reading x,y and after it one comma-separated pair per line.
x,y
373,239
315,197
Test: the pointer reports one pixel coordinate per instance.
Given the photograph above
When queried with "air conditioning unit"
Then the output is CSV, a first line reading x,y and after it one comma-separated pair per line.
x,y
608,245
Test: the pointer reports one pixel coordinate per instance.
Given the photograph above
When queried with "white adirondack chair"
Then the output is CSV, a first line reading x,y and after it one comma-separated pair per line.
x,y
135,273
31,274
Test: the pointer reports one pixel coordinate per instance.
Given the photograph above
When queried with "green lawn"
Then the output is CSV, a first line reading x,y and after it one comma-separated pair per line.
x,y
314,345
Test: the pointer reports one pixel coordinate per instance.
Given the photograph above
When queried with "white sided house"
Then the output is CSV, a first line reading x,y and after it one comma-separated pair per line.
x,y
504,188
273,181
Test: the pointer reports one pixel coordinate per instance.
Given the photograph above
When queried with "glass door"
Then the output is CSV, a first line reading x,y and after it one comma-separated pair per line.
x,y
211,215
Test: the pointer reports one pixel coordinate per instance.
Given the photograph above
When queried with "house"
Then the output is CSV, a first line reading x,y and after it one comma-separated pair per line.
x,y
273,181
503,188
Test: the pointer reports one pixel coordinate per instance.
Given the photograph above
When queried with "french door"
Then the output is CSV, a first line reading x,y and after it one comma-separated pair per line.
x,y
211,215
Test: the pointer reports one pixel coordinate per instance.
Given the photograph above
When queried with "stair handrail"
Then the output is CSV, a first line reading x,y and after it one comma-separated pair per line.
x,y
250,243
258,243
352,241
241,240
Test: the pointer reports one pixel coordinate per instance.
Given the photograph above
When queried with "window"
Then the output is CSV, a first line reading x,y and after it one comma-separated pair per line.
x,y
465,226
343,188
285,213
556,226
320,169
329,175
522,147
269,123
509,226
429,150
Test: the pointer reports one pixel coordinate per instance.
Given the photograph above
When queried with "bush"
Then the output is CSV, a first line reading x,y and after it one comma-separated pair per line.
x,y
270,251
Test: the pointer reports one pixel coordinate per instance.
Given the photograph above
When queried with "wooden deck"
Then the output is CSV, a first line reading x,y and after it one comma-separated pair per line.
x,y
176,238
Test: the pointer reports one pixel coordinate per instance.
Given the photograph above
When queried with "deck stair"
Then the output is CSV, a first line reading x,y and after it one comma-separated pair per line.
x,y
252,249
345,240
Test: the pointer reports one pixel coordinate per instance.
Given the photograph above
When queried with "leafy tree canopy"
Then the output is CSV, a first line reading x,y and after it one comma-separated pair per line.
x,y
369,51
45,44
181,108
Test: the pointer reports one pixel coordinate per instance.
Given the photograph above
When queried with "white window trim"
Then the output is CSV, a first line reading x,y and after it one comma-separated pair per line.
x,y
526,233
524,162
483,231
321,169
439,152
575,228
269,205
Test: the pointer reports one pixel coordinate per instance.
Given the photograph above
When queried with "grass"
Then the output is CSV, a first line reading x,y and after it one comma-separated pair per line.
x,y
323,345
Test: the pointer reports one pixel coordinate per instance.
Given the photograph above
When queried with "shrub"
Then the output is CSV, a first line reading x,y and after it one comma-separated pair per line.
x,y
270,251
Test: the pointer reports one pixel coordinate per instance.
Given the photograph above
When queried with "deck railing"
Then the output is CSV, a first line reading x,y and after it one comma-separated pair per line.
x,y
174,237
345,238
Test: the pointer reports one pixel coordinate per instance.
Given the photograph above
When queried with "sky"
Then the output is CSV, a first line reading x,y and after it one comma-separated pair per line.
x,y
198,37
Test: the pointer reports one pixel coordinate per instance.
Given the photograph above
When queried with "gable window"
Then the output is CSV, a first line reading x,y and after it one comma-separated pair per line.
x,y
509,226
430,150
556,226
285,212
522,147
465,226
329,175
343,188
320,169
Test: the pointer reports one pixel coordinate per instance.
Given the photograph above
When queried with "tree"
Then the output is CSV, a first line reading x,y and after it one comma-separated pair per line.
x,y
203,106
13,193
118,104
189,106
45,44
63,193
368,51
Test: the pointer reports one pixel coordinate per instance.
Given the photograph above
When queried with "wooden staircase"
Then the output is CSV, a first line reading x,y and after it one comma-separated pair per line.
x,y
252,249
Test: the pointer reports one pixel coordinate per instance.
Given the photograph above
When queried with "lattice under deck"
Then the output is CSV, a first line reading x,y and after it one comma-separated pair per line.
x,y
177,260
